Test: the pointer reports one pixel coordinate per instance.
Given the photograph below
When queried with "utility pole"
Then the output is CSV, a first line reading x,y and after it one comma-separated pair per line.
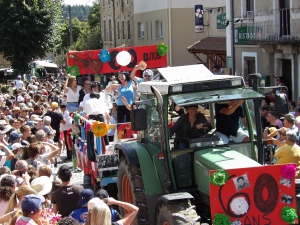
x,y
114,19
70,23
232,36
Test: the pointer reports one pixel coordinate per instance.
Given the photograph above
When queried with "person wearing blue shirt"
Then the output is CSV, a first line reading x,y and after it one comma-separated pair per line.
x,y
81,214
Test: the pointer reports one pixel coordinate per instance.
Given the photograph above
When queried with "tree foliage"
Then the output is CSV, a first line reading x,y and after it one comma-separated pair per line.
x,y
28,29
79,11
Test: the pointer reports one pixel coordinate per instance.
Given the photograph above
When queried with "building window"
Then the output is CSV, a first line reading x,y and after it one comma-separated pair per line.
x,y
110,30
128,28
103,1
146,30
122,5
104,30
127,1
159,29
249,5
108,2
118,29
141,30
123,29
151,30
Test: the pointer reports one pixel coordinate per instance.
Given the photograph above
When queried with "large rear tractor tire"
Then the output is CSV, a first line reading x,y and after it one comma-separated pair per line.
x,y
131,189
177,213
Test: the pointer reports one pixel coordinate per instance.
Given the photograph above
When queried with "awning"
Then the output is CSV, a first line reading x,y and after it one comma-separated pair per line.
x,y
209,45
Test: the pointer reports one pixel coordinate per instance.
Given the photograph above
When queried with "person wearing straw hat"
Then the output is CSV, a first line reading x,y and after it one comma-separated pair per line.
x,y
43,185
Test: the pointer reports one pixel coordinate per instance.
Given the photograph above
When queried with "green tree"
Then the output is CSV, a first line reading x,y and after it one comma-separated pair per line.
x,y
28,29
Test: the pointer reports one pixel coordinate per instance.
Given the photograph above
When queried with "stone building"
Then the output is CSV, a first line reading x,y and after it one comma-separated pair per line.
x,y
117,23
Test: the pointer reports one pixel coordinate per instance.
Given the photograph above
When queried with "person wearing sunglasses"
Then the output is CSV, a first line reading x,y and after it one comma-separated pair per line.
x,y
147,75
125,89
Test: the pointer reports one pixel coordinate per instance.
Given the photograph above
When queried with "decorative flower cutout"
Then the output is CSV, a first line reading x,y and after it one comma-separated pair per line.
x,y
289,171
239,206
162,49
99,129
219,178
104,56
288,214
236,222
88,126
76,118
221,219
74,71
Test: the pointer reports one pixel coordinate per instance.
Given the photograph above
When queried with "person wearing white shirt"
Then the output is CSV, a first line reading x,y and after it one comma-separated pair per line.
x,y
65,127
19,83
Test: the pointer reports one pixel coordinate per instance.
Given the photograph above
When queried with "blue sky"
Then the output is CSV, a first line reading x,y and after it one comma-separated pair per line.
x,y
78,2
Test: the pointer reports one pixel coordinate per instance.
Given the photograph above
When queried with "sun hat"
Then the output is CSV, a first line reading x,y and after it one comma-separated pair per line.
x,y
7,128
93,202
15,109
35,118
42,185
85,196
3,122
20,98
32,203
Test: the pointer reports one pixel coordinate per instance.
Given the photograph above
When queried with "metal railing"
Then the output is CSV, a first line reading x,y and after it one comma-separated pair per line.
x,y
276,25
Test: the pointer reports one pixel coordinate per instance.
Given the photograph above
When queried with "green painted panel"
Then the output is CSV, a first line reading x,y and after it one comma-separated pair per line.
x,y
151,183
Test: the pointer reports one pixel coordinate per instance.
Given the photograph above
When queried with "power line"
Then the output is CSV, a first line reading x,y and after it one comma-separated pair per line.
x,y
87,2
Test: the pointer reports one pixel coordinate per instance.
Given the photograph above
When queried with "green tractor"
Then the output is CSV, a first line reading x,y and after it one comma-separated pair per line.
x,y
170,185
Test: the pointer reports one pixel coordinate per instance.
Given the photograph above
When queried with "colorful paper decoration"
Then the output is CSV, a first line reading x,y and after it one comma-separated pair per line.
x,y
76,118
162,49
99,129
239,206
289,171
219,178
104,56
142,65
288,214
88,127
73,71
221,219
123,58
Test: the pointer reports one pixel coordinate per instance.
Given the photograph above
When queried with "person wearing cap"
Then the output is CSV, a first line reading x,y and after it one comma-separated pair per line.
x,y
82,213
100,213
31,209
185,131
228,122
17,149
147,75
72,90
65,127
19,83
56,119
103,194
65,198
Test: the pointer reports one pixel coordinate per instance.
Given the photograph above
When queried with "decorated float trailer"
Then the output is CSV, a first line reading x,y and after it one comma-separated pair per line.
x,y
200,184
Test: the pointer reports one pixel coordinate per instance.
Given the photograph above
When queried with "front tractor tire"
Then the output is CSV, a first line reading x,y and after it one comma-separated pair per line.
x,y
177,213
131,189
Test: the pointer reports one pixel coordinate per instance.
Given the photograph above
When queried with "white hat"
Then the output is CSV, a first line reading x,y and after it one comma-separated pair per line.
x,y
20,98
15,146
3,122
6,129
93,202
6,96
35,118
42,185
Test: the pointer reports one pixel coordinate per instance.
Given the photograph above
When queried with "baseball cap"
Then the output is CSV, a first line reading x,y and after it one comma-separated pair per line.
x,y
85,196
42,185
19,76
32,203
93,202
31,123
15,146
46,129
101,193
14,136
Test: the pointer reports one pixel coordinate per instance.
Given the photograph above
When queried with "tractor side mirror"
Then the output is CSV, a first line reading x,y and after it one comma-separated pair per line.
x,y
138,119
281,104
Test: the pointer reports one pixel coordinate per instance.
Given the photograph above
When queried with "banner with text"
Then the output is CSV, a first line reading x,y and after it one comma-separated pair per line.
x,y
258,195
88,62
199,26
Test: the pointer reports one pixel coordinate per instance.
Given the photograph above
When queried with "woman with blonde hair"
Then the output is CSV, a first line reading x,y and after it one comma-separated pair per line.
x,y
72,91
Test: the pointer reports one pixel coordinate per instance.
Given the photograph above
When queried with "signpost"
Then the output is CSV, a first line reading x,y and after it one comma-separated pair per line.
x,y
244,34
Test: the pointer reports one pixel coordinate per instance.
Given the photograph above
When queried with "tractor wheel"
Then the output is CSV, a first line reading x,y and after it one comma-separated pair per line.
x,y
177,213
131,189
